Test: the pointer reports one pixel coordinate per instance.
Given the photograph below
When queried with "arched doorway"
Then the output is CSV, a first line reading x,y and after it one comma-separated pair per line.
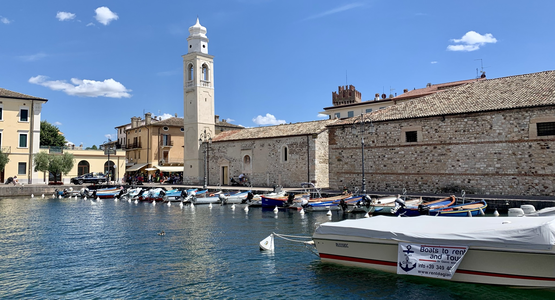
x,y
83,167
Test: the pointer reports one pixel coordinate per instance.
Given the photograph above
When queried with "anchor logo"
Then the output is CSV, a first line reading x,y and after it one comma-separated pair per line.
x,y
408,264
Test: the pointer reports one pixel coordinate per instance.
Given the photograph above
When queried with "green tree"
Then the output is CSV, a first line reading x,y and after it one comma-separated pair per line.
x,y
50,135
92,148
4,160
56,164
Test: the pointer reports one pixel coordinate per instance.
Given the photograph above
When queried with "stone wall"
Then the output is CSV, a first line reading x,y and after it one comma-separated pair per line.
x,y
482,153
307,160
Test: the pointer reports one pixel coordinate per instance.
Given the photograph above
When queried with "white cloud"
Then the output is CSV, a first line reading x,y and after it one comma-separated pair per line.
x,y
229,120
111,137
267,120
433,62
84,88
323,116
5,20
335,10
64,16
104,15
90,24
57,123
165,116
472,41
33,57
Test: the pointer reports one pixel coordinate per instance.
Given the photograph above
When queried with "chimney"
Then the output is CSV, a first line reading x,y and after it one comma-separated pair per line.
x,y
377,96
405,90
148,118
428,85
176,115
134,122
216,118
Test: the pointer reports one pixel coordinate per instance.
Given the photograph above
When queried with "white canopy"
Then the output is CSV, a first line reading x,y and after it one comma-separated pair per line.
x,y
135,167
169,168
501,232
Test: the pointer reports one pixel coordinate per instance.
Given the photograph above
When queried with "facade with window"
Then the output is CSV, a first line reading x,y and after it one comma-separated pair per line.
x,y
20,117
493,136
285,155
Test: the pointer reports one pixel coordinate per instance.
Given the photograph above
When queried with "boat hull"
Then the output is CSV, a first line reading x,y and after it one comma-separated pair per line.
x,y
489,266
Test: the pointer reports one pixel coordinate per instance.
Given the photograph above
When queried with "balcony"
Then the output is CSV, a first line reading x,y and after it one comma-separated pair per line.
x,y
166,143
131,146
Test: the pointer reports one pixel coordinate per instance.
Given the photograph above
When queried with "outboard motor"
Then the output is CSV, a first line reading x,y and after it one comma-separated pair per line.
x,y
290,199
399,203
366,200
184,194
223,199
423,209
343,205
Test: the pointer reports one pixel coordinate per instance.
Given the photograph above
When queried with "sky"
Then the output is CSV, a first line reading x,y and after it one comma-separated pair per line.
x,y
99,63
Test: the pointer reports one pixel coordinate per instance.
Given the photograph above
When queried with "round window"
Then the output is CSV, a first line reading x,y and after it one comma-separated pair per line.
x,y
166,128
182,129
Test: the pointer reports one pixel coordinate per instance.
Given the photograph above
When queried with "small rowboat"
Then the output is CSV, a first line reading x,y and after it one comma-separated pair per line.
x,y
462,210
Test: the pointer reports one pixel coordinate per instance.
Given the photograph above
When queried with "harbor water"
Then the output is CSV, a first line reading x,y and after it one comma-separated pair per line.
x,y
106,249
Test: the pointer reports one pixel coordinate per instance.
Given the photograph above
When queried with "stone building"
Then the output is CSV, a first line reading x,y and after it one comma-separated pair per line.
x,y
493,136
347,101
285,155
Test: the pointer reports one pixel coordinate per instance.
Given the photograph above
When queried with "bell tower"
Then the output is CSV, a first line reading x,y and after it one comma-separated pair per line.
x,y
198,91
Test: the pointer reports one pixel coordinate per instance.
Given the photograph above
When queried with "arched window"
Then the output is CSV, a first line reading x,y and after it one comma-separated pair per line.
x,y
205,74
83,167
109,168
190,72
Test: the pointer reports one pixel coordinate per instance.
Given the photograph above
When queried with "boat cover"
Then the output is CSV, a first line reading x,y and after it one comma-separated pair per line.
x,y
502,232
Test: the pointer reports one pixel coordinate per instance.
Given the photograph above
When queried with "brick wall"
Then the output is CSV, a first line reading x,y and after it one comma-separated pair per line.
x,y
481,153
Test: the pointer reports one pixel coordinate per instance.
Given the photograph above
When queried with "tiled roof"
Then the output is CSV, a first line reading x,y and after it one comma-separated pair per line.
x,y
228,125
520,91
434,88
173,121
284,130
10,94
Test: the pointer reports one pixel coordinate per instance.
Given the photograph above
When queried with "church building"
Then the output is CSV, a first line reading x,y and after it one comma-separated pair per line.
x,y
284,155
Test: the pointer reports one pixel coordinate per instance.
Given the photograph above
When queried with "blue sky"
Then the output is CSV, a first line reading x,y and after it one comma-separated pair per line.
x,y
99,63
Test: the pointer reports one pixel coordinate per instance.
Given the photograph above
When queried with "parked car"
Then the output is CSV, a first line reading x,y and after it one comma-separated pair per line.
x,y
94,177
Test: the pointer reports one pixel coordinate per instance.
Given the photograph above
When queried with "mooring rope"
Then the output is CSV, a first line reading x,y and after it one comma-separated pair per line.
x,y
288,238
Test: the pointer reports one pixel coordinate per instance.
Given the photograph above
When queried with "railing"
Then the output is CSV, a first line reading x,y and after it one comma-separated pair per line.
x,y
204,83
131,146
190,84
166,144
7,149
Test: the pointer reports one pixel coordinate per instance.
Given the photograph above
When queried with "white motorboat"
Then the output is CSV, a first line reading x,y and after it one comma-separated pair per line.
x,y
504,250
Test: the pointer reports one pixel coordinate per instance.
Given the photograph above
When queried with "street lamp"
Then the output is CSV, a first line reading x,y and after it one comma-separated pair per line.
x,y
107,150
362,125
206,139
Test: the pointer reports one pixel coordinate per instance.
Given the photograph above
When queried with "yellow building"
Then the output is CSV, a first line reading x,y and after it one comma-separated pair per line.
x,y
153,145
88,161
20,134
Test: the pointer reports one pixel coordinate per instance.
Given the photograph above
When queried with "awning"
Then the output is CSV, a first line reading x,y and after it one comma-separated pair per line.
x,y
136,167
169,169
150,169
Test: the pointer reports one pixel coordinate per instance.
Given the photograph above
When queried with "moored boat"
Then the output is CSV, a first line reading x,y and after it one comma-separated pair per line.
x,y
470,209
503,250
424,208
